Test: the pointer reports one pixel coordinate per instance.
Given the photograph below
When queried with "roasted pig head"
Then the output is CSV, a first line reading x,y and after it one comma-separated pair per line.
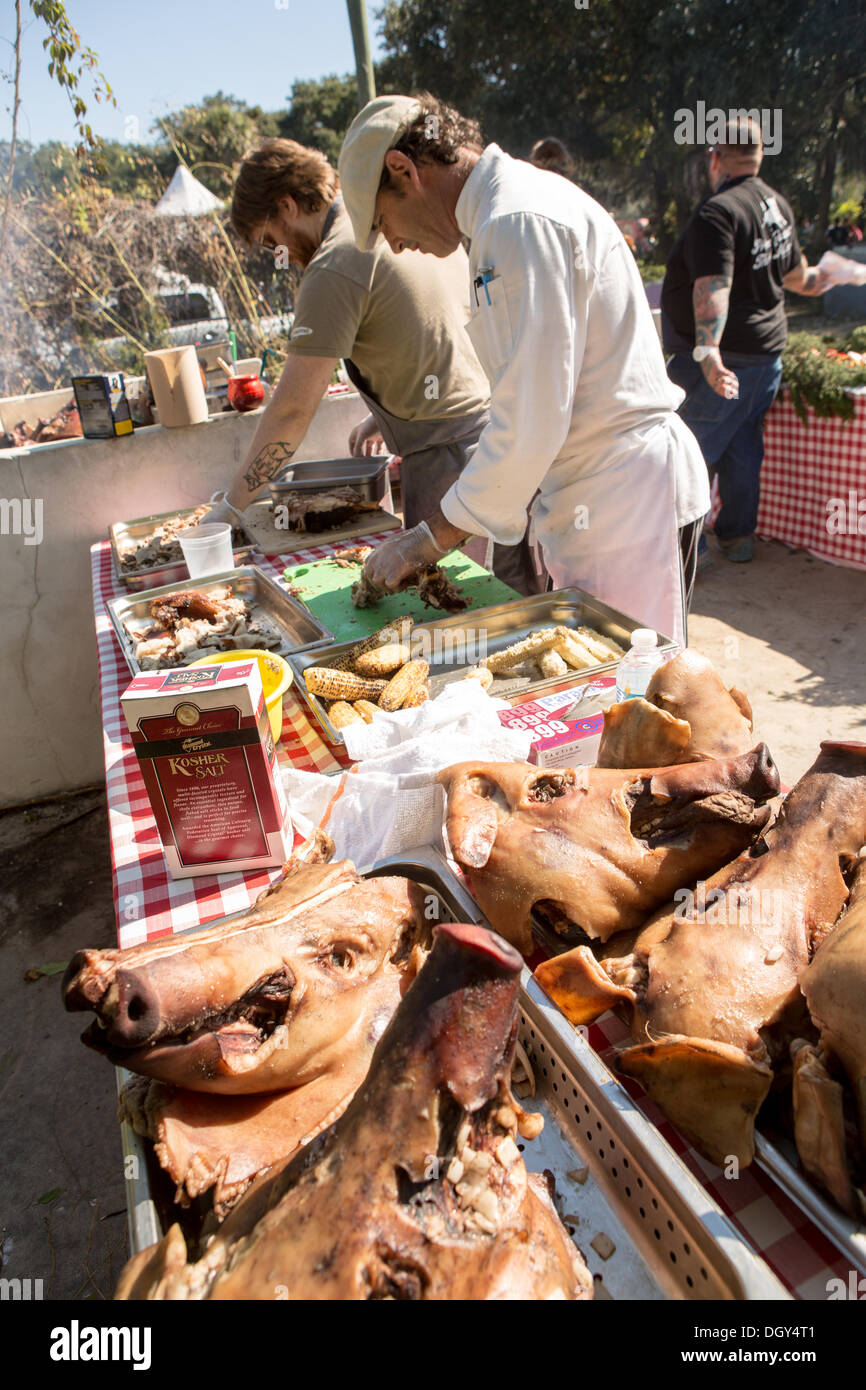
x,y
278,998
419,1190
687,715
713,980
597,848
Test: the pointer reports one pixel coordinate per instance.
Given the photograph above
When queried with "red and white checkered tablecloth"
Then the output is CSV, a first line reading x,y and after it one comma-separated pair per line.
x,y
150,905
812,479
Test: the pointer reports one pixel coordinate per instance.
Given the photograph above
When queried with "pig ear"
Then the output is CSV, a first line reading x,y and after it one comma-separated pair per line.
x,y
742,703
473,835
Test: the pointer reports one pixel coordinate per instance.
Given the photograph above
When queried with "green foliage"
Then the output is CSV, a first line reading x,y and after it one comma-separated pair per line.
x,y
320,113
212,137
68,62
817,380
856,340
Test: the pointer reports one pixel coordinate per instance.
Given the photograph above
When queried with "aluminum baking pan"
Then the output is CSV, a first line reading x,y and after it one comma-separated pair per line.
x,y
778,1158
368,477
454,643
297,626
173,571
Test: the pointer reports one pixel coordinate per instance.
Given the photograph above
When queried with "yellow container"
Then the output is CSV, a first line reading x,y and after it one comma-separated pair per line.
x,y
276,678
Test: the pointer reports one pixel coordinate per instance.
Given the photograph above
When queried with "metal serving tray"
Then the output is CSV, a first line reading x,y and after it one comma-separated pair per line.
x,y
297,626
368,476
453,644
154,576
778,1158
671,1240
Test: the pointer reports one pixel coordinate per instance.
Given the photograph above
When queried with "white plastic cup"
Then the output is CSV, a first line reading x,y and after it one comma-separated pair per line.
x,y
207,549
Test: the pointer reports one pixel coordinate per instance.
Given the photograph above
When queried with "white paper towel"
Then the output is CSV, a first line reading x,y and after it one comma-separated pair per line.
x,y
389,801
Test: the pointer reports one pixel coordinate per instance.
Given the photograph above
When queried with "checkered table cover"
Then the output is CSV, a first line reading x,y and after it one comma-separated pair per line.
x,y
805,466
151,905
148,902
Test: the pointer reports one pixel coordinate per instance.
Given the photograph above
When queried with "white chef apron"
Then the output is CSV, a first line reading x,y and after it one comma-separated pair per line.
x,y
614,532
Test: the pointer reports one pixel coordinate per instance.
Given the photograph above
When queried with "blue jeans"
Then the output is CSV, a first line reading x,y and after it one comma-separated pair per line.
x,y
730,432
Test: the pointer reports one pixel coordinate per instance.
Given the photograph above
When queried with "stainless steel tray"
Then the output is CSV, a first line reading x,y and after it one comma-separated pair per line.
x,y
154,576
778,1158
368,476
298,628
454,643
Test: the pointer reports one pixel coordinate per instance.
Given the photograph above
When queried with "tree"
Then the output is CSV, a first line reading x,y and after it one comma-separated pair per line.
x,y
211,138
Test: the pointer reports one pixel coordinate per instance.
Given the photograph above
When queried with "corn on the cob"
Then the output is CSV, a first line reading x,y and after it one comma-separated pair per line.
x,y
479,673
341,714
419,696
366,709
572,650
603,647
550,663
383,661
407,679
398,630
332,684
529,647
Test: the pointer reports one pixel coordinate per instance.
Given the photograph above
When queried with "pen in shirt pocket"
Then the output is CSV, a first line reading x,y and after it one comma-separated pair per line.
x,y
481,282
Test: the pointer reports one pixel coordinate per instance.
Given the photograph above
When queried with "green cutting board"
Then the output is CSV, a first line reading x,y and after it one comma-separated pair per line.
x,y
326,589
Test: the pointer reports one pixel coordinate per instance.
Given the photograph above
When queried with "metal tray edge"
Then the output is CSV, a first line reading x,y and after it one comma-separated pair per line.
x,y
841,1230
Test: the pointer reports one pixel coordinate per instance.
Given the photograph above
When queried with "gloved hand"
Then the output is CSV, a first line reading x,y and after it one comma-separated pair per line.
x,y
222,510
394,562
366,439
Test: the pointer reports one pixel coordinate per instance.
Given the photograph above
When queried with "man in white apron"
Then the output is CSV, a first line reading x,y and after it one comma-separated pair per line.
x,y
582,409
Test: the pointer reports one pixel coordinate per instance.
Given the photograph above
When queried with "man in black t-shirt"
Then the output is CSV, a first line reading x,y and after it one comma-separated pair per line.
x,y
723,321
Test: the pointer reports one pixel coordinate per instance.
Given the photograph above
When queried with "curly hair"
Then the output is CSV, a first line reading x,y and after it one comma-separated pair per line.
x,y
280,169
436,135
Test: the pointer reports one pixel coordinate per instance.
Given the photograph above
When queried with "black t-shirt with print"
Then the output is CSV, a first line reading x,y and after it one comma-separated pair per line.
x,y
745,231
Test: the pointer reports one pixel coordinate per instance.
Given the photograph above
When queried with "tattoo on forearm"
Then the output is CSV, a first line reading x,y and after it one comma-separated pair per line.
x,y
710,299
266,463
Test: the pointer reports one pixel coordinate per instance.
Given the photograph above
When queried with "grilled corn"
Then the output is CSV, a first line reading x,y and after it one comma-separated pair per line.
x,y
366,710
572,650
550,663
383,661
529,647
407,679
341,714
332,684
419,696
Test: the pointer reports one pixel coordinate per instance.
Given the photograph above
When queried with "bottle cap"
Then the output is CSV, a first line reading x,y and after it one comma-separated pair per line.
x,y
644,637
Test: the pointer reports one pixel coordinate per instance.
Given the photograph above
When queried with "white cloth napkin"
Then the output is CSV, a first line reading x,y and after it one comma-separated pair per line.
x,y
390,801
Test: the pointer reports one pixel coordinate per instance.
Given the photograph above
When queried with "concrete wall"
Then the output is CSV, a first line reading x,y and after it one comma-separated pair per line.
x,y
51,738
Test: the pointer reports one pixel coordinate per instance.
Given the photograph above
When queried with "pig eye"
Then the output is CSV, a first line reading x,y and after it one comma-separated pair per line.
x,y
338,958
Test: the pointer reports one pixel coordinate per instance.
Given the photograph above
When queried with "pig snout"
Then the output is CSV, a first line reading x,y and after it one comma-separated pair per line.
x,y
132,1013
763,780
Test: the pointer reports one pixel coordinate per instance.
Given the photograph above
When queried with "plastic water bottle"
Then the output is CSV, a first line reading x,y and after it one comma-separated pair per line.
x,y
635,670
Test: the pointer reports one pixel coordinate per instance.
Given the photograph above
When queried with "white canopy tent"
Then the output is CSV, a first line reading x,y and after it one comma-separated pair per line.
x,y
186,197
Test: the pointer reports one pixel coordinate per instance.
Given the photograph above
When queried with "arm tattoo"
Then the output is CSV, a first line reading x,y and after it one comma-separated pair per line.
x,y
266,463
710,298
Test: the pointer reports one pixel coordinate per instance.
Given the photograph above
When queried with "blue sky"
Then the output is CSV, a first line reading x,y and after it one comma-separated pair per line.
x,y
168,53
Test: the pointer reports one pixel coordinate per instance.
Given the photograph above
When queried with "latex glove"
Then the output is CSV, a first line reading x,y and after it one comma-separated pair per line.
x,y
222,510
395,562
366,439
833,269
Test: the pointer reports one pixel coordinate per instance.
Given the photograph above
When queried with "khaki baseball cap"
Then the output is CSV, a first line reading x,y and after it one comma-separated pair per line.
x,y
375,130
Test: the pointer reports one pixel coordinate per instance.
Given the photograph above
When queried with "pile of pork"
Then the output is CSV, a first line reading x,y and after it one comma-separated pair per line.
x,y
732,938
162,546
315,1014
193,623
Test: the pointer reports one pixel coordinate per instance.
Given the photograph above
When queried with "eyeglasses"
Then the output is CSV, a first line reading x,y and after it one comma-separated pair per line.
x,y
265,240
